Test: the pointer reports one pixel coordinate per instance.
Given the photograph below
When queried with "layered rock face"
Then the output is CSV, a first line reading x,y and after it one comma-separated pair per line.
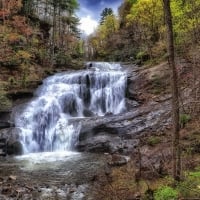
x,y
110,115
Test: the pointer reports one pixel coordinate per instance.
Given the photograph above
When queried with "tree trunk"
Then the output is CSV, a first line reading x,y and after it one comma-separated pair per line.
x,y
53,32
3,6
174,88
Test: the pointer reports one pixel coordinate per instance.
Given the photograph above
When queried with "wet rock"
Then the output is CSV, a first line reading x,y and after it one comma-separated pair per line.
x,y
5,115
88,113
120,133
79,194
100,143
118,160
136,81
131,104
9,138
6,124
3,147
14,148
21,94
10,134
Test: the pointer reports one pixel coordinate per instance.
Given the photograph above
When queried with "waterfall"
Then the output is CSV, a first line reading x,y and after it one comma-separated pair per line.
x,y
44,122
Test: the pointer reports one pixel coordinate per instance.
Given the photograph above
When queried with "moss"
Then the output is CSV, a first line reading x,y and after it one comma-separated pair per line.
x,y
153,140
5,103
184,119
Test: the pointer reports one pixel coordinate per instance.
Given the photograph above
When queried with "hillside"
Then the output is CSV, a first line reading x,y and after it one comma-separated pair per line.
x,y
28,51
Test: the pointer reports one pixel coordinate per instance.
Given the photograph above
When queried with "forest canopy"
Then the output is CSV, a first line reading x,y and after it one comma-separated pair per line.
x,y
139,30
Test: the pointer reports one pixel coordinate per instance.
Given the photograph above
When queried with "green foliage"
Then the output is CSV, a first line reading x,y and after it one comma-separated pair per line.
x,y
190,186
166,193
141,26
132,1
184,119
62,58
142,56
12,81
41,55
153,140
103,42
106,12
186,20
195,174
28,7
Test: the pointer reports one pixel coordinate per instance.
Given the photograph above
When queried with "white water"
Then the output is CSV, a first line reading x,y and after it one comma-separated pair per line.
x,y
44,122
37,158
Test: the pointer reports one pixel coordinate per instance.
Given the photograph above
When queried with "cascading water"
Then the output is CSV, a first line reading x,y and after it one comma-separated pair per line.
x,y
44,123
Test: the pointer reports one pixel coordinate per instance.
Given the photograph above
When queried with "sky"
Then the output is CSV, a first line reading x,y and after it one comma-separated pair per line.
x,y
90,11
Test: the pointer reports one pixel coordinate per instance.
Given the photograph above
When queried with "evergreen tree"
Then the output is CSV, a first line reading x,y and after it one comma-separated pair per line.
x,y
105,13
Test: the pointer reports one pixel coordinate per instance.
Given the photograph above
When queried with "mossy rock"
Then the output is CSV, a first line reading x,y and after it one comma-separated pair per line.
x,y
5,103
153,140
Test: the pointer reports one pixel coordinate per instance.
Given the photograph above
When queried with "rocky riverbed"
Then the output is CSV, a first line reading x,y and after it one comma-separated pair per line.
x,y
50,175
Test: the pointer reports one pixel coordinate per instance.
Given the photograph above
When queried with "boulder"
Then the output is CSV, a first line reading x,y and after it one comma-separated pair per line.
x,y
9,140
100,143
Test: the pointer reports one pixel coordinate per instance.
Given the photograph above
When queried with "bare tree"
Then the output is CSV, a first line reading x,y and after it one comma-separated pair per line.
x,y
174,88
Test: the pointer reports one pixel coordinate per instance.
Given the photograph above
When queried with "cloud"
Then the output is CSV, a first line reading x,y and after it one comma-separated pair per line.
x,y
90,11
102,3
87,25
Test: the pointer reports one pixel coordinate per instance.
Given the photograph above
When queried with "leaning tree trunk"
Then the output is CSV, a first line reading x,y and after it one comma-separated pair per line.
x,y
174,87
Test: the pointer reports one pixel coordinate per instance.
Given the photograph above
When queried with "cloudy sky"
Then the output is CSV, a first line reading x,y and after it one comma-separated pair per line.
x,y
90,10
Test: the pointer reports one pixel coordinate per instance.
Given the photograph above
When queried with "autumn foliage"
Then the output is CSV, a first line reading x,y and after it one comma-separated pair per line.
x,y
9,7
19,23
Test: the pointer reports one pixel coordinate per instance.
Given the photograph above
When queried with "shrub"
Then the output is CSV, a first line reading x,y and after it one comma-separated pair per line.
x,y
190,187
184,119
62,58
166,193
143,56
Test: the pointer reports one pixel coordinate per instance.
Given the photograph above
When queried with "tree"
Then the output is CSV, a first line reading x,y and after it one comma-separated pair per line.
x,y
174,87
124,10
145,17
27,8
106,12
103,41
